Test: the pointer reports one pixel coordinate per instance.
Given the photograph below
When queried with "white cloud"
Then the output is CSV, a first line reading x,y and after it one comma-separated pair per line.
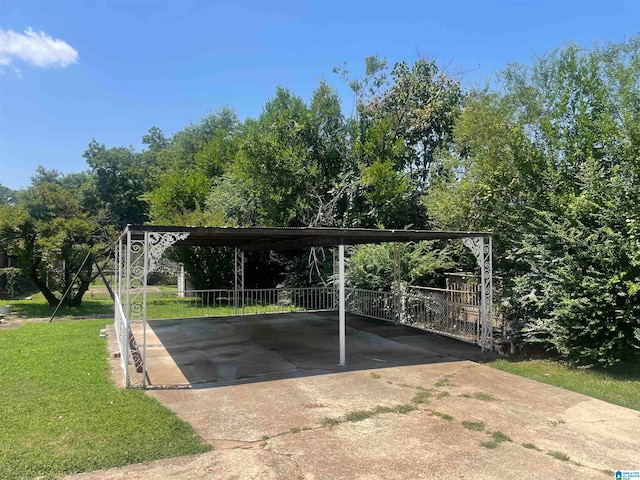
x,y
35,48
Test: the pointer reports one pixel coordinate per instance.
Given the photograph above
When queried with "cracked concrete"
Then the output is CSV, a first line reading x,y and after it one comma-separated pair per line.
x,y
596,436
277,428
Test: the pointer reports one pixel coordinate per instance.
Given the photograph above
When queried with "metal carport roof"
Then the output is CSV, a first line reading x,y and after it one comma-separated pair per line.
x,y
289,238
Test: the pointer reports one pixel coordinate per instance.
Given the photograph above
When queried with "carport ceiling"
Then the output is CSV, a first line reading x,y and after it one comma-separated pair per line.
x,y
290,238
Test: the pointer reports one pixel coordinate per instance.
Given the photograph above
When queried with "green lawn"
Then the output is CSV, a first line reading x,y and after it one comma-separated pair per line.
x,y
59,413
159,306
619,385
38,307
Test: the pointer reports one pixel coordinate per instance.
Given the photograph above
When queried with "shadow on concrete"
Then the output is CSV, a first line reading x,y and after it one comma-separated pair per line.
x,y
219,351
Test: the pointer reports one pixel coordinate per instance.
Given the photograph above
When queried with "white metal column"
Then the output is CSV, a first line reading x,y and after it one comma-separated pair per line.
x,y
342,321
397,285
239,279
481,248
145,282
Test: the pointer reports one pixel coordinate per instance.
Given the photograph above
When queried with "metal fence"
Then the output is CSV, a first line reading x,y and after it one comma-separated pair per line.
x,y
223,302
454,313
372,303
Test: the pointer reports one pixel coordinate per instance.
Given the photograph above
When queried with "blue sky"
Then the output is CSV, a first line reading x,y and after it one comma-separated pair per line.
x,y
110,70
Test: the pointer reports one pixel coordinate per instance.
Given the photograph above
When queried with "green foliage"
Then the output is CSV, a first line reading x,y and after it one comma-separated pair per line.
x,y
119,178
50,233
473,425
6,195
422,263
550,164
61,414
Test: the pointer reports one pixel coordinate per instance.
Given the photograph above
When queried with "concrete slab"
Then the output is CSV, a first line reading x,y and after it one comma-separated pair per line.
x,y
279,407
277,429
263,347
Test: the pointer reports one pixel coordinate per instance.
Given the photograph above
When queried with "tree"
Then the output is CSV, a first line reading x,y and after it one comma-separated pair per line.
x,y
403,120
550,164
49,234
119,175
7,195
191,164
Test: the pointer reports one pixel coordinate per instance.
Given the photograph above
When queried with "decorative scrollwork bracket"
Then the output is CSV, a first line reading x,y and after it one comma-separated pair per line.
x,y
157,244
481,249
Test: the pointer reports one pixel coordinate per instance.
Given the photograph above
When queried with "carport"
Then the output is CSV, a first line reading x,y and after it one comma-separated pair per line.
x,y
139,249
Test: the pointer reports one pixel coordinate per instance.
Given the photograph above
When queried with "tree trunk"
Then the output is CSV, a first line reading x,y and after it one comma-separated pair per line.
x,y
48,294
77,298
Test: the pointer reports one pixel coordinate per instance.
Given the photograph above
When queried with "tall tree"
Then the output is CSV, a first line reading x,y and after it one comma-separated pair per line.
x,y
550,164
119,174
7,196
49,233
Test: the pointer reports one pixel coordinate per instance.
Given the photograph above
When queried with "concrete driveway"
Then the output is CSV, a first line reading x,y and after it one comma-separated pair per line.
x,y
444,418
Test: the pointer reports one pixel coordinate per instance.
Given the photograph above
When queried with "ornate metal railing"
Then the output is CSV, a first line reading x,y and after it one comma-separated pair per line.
x,y
224,302
122,333
454,313
372,303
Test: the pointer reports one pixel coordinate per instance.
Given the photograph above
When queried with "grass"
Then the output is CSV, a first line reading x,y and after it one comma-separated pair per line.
x,y
375,375
160,306
443,416
485,397
500,437
619,385
443,382
360,415
490,444
421,397
475,426
559,455
38,307
530,446
61,414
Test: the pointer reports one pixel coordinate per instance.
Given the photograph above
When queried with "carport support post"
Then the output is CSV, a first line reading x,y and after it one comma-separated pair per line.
x,y
341,300
481,248
397,285
239,279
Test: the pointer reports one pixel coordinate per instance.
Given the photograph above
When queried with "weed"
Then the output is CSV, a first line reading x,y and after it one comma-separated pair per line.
x,y
489,444
471,425
295,430
359,415
486,397
264,438
406,408
442,395
443,382
500,437
329,421
555,423
559,455
443,416
530,446
421,397
375,375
